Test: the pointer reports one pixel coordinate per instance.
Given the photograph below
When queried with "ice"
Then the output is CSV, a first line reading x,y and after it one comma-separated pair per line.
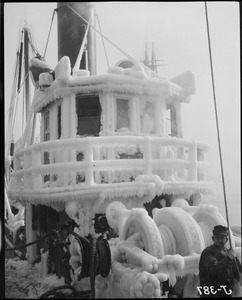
x,y
147,251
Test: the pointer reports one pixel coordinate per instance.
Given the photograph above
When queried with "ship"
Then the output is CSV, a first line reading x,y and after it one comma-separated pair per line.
x,y
112,192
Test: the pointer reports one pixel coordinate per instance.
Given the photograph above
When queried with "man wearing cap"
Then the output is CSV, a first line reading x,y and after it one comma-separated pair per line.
x,y
218,267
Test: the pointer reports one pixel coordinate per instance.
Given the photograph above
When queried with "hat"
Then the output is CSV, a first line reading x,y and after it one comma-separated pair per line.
x,y
220,230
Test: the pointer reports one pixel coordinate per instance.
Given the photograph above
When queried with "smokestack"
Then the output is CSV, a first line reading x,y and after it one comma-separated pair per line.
x,y
71,30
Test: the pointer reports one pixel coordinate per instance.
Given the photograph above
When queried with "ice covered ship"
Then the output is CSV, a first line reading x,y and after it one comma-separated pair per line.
x,y
112,158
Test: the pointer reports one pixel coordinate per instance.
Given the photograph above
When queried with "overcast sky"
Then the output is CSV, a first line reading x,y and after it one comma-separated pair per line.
x,y
180,35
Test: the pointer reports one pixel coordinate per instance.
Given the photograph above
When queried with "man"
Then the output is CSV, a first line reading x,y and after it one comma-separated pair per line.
x,y
218,267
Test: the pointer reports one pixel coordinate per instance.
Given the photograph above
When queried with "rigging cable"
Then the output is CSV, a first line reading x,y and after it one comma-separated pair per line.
x,y
83,45
102,40
35,51
20,61
49,32
15,110
131,58
23,108
11,109
216,115
135,61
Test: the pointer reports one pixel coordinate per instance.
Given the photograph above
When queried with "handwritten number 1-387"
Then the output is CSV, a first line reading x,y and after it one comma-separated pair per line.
x,y
207,290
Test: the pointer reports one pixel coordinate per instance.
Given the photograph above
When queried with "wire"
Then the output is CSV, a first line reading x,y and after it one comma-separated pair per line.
x,y
31,243
23,112
93,266
49,32
131,58
20,63
15,108
35,51
102,40
135,61
84,41
11,108
216,115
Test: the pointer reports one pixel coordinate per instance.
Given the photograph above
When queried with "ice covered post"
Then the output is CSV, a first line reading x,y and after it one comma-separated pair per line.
x,y
192,156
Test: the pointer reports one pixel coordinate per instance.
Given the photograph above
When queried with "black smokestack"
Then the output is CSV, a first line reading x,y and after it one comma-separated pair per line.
x,y
71,30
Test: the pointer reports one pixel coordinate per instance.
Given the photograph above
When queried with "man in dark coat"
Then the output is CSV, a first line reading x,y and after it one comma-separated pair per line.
x,y
218,267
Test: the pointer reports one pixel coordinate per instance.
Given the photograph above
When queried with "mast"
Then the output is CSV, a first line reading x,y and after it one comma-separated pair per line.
x,y
146,60
152,62
153,59
71,31
26,72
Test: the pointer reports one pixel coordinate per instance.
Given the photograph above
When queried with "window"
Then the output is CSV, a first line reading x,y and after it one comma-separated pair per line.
x,y
171,124
47,126
168,122
59,122
88,111
46,138
123,115
147,118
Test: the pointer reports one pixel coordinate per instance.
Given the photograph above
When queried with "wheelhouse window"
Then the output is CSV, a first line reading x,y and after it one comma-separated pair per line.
x,y
59,122
147,119
168,122
123,114
88,111
46,138
171,124
47,126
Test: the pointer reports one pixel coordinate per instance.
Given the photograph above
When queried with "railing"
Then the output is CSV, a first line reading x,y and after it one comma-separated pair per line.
x,y
96,160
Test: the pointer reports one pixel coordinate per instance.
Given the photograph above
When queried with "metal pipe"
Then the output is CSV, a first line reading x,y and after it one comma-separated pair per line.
x,y
71,33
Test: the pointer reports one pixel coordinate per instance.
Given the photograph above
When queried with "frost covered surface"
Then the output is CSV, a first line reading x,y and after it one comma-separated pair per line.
x,y
116,172
106,168
141,256
21,280
148,252
133,81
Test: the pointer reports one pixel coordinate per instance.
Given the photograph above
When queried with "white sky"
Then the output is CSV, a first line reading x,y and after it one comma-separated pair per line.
x,y
180,35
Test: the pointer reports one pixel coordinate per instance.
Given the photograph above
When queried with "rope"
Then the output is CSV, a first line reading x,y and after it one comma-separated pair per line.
x,y
20,63
93,266
35,51
19,254
103,35
92,263
89,260
23,103
123,52
131,58
15,110
220,154
57,295
103,257
49,32
217,126
85,255
11,109
29,244
62,287
84,41
102,40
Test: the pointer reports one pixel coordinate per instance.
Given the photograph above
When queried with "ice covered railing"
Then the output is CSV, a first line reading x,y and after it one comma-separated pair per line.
x,y
137,165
